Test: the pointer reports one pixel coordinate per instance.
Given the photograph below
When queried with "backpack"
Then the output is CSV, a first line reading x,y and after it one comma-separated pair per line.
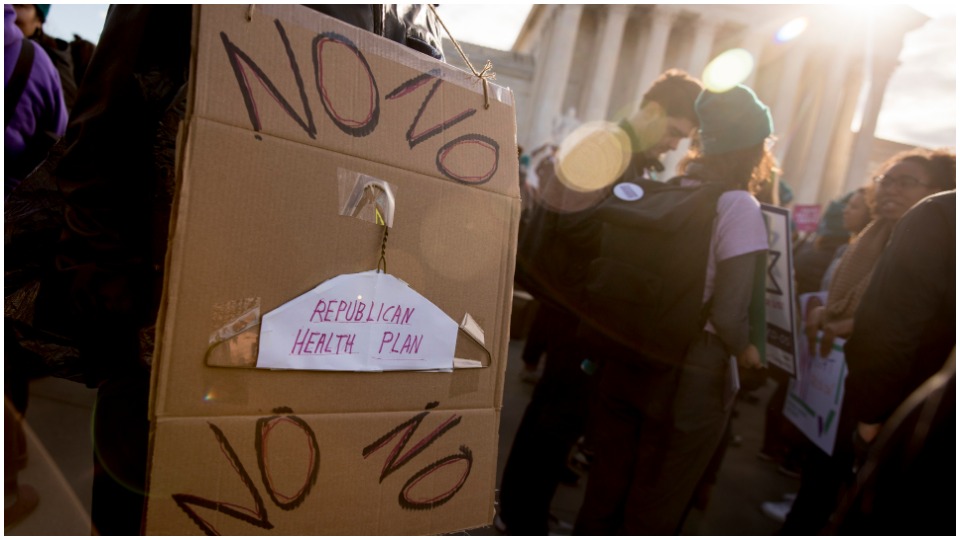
x,y
642,290
71,59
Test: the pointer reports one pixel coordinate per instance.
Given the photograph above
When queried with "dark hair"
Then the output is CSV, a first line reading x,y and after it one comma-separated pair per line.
x,y
750,168
940,165
676,92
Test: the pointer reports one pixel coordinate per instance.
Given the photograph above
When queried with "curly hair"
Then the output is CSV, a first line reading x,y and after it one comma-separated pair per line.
x,y
752,168
940,165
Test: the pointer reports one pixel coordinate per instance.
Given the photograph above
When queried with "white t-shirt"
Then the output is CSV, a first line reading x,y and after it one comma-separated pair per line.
x,y
738,229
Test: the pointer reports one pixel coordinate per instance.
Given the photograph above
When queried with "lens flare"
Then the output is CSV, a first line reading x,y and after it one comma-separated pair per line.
x,y
727,70
593,156
211,395
791,30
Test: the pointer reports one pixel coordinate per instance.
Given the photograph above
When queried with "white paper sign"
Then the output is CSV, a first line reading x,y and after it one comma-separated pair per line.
x,y
358,322
781,349
815,396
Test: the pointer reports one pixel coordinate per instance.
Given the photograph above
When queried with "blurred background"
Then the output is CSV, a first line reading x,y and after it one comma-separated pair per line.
x,y
919,106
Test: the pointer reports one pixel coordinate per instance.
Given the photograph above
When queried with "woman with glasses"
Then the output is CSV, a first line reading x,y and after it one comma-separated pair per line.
x,y
902,181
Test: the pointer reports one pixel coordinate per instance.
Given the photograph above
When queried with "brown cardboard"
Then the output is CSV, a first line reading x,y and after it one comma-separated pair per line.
x,y
231,460
257,224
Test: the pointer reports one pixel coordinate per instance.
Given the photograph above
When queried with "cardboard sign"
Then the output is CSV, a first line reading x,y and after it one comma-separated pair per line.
x,y
781,329
815,395
358,322
806,217
283,108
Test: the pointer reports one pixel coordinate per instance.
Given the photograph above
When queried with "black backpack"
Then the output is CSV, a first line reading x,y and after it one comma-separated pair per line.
x,y
642,290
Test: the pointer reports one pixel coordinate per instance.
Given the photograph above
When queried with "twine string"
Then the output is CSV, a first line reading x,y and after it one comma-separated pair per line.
x,y
484,74
382,263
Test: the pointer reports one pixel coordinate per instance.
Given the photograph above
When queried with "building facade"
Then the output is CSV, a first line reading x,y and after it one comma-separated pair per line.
x,y
576,63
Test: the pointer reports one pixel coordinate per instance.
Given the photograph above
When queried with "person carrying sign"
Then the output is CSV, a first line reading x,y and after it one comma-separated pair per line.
x,y
116,171
901,182
906,327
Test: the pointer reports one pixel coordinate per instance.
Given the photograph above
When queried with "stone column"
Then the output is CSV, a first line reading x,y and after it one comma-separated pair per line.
x,y
650,52
600,85
832,95
556,72
753,43
706,32
783,108
860,155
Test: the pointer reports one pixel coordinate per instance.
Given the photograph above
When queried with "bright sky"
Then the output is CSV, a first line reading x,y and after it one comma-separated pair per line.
x,y
919,106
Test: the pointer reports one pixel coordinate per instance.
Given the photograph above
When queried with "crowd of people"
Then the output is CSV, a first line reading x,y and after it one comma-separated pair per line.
x,y
650,417
654,433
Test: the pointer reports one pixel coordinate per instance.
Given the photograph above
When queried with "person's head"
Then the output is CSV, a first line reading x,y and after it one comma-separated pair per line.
x,y
911,175
857,213
30,17
666,114
732,140
843,219
830,229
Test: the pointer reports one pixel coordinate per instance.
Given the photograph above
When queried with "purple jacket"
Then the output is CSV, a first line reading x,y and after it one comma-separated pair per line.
x,y
41,107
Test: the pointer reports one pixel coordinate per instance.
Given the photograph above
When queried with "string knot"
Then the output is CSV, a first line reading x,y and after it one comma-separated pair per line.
x,y
484,75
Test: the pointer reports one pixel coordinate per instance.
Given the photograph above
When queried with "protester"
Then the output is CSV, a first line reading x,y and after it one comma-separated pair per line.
x,y
657,427
905,179
813,256
901,182
557,413
905,328
35,116
842,222
118,180
857,214
34,119
70,58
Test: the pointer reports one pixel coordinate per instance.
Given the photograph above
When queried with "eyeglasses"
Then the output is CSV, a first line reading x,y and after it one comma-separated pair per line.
x,y
902,182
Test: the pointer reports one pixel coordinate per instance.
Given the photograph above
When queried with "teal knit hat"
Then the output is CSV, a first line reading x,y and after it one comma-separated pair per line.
x,y
43,10
732,120
831,223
